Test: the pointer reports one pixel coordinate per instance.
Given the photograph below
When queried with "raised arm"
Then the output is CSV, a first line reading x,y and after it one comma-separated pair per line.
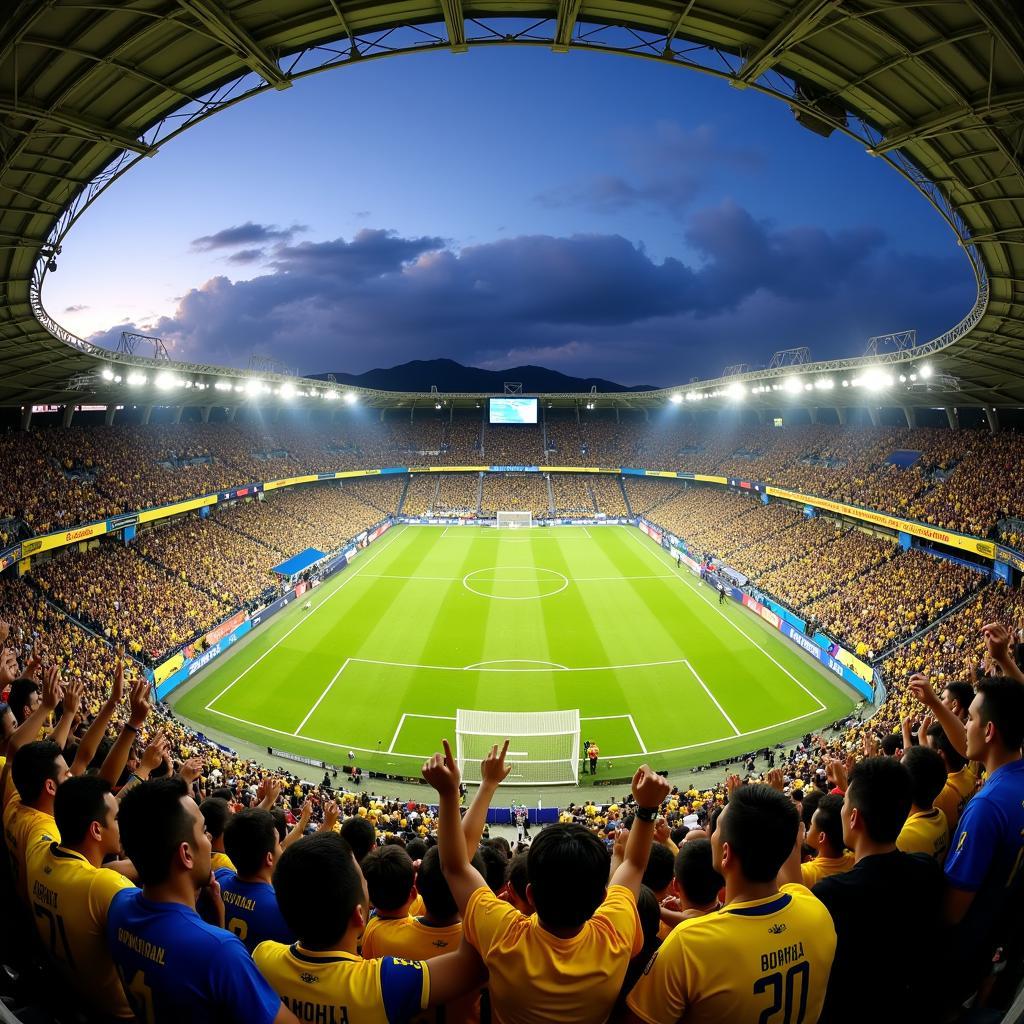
x,y
922,689
53,691
455,974
463,879
70,704
299,829
998,643
95,733
493,772
117,756
649,791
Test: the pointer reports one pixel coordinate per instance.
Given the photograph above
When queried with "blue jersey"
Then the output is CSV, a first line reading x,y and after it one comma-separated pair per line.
x,y
175,967
986,855
251,912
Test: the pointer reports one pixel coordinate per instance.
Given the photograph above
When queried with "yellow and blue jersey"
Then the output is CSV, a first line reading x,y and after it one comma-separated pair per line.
x,y
251,911
338,987
537,977
766,959
959,788
177,968
69,899
925,832
25,828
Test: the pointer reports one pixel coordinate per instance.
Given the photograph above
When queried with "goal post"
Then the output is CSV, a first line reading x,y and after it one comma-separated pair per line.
x,y
515,520
544,747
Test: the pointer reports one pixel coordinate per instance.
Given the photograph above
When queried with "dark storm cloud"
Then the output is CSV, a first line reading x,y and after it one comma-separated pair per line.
x,y
589,304
248,233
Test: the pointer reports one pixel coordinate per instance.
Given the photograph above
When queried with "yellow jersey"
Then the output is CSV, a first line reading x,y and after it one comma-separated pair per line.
x,y
813,871
537,977
337,987
24,827
766,959
960,787
417,908
412,938
70,899
925,832
221,860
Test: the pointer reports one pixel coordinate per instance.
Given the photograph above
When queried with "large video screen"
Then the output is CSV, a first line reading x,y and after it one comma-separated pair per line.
x,y
513,410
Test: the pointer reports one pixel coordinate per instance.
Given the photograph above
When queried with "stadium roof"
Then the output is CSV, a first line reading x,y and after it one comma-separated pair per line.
x,y
933,87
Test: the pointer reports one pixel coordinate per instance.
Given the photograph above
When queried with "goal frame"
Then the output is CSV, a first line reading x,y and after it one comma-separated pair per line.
x,y
514,520
494,726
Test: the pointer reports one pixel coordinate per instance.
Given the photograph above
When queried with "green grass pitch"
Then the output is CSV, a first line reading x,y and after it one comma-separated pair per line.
x,y
431,619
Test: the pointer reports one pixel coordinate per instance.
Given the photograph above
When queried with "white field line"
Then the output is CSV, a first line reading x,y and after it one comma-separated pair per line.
x,y
636,732
327,690
572,579
714,699
305,618
461,668
398,729
713,607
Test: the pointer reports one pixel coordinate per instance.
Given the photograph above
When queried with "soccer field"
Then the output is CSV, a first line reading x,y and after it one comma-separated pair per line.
x,y
431,619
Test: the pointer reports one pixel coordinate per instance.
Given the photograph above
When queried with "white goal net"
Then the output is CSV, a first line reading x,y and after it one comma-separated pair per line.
x,y
515,520
543,749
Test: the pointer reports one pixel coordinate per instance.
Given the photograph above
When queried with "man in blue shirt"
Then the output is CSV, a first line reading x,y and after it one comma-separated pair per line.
x,y
983,876
174,966
250,905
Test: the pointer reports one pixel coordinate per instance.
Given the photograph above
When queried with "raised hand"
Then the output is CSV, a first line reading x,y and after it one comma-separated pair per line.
x,y
53,689
331,815
154,754
8,667
838,773
73,693
268,791
732,783
775,779
921,689
138,701
922,730
442,772
869,742
619,845
649,788
191,770
997,641
117,684
493,770
662,833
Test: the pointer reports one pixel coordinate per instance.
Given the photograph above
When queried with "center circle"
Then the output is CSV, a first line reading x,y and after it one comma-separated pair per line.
x,y
512,582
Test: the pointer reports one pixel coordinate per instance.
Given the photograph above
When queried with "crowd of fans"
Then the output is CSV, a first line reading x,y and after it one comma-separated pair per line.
x,y
572,495
167,880
959,480
509,492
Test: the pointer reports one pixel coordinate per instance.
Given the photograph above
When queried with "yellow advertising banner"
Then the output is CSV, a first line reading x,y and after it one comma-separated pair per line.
x,y
703,478
854,664
985,548
344,474
575,469
667,472
149,514
169,667
273,485
59,540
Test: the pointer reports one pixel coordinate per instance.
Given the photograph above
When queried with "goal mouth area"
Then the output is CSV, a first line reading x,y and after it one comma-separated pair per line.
x,y
543,745
514,520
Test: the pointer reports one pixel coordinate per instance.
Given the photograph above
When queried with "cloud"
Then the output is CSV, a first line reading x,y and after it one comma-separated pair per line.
x,y
74,309
248,233
246,256
591,304
671,165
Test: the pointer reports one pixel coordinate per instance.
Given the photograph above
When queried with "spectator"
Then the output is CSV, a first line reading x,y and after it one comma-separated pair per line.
x,y
767,951
961,781
250,905
323,898
884,884
568,962
926,829
216,812
174,965
983,879
71,891
825,837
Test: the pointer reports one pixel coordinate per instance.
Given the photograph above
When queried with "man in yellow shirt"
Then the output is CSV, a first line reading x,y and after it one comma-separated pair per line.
x,y
567,962
961,780
826,836
767,953
436,932
216,812
70,892
926,829
696,886
323,898
37,770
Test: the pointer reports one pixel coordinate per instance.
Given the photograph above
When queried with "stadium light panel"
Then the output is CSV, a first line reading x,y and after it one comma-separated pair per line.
x,y
254,387
351,397
287,391
825,384
793,385
330,395
876,380
165,381
735,391
676,398
223,385
926,371
913,376
136,379
107,373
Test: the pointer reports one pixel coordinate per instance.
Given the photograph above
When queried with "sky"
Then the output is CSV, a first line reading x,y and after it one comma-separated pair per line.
x,y
594,214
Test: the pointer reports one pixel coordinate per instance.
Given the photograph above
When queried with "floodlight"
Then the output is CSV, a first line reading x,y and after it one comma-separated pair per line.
x,y
135,379
676,398
287,391
330,395
735,391
351,397
793,384
107,373
254,387
926,371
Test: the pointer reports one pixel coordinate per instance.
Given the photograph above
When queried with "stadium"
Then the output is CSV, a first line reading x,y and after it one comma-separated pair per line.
x,y
747,646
